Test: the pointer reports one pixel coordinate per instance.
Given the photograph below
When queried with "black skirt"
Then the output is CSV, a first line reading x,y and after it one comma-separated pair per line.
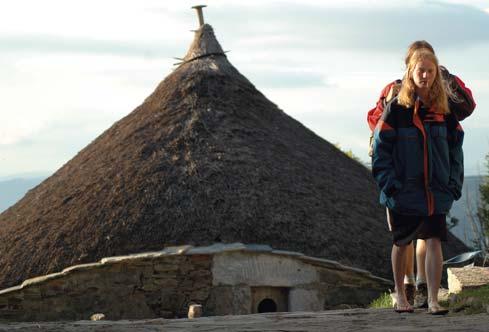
x,y
405,228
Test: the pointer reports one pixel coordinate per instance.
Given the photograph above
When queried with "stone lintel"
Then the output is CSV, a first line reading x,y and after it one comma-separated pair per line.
x,y
258,269
287,253
216,248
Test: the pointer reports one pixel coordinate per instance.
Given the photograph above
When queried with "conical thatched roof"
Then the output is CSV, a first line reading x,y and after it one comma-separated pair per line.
x,y
206,158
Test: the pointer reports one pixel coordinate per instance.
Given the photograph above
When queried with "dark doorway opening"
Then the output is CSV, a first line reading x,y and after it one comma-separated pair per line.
x,y
269,299
267,305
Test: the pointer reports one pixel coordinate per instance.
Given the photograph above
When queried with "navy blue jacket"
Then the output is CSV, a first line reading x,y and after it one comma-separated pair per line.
x,y
418,160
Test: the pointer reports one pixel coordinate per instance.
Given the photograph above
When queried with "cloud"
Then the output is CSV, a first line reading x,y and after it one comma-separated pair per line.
x,y
286,78
257,27
108,19
12,134
323,62
54,143
376,28
61,44
40,90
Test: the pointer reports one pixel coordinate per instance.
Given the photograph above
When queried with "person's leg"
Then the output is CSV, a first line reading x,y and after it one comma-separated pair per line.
x,y
420,261
409,278
410,260
398,257
421,295
434,267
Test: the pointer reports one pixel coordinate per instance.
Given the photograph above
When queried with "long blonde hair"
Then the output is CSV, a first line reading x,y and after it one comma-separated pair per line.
x,y
437,95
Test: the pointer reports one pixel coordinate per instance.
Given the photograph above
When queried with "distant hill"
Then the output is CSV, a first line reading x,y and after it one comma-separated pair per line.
x,y
463,207
12,190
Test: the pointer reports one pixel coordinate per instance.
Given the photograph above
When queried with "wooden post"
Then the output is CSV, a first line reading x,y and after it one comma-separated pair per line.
x,y
200,13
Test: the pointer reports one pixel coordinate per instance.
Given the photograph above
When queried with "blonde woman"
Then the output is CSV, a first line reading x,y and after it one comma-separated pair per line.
x,y
418,164
462,104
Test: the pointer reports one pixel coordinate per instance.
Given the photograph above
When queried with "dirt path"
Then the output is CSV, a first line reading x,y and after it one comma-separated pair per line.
x,y
339,320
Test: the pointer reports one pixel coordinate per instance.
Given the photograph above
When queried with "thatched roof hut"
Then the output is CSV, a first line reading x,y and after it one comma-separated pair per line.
x,y
206,158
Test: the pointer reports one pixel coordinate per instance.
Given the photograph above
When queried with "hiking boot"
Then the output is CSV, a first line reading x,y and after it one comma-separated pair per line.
x,y
410,291
421,296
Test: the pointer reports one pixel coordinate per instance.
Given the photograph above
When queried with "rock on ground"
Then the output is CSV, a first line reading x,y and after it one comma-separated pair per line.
x,y
467,277
335,320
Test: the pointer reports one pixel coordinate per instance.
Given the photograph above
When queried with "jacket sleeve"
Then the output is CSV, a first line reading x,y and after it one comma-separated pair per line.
x,y
455,141
383,170
464,103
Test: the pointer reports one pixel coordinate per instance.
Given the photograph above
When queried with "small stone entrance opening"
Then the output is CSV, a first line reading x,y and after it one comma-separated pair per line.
x,y
269,299
267,305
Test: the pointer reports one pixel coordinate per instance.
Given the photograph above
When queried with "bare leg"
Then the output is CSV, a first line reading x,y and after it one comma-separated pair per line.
x,y
420,259
410,259
434,267
409,279
398,257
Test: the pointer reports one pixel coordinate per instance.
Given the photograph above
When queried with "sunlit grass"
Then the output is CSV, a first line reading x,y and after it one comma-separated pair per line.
x,y
471,301
383,301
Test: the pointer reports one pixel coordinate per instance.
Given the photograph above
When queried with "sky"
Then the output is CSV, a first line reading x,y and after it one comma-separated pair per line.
x,y
70,69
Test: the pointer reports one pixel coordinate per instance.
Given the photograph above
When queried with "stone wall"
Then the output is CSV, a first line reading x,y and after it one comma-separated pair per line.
x,y
312,284
225,279
128,288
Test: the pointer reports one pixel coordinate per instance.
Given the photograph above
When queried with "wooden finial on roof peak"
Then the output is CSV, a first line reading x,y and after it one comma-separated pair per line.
x,y
198,8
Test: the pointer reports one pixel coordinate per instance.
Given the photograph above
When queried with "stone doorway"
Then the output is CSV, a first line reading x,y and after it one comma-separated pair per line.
x,y
269,299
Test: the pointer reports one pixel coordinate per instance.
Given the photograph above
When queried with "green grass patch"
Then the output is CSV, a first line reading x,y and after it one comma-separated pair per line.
x,y
383,301
471,301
